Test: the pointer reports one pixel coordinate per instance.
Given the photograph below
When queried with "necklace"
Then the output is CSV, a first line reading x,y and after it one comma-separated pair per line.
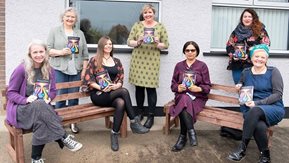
x,y
106,58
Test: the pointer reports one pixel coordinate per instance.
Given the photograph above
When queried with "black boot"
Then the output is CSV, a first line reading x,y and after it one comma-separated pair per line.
x,y
239,153
193,137
150,121
265,157
137,127
180,144
114,141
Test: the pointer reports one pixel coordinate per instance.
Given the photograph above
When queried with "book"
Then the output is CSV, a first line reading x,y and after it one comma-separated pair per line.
x,y
41,89
73,44
103,79
240,50
148,35
246,94
189,78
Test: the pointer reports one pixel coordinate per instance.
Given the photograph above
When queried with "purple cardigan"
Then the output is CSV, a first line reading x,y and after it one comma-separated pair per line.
x,y
17,90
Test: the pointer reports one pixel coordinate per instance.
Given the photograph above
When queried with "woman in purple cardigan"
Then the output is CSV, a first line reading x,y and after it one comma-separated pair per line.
x,y
191,84
29,110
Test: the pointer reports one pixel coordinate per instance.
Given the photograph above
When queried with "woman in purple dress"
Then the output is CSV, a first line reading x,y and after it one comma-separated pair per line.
x,y
191,84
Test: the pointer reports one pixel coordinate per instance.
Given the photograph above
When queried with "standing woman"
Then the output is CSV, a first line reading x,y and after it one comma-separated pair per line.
x,y
190,94
249,32
112,94
25,110
267,107
145,62
69,65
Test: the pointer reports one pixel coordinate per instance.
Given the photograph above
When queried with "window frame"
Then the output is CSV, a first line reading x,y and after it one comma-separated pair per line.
x,y
254,4
118,48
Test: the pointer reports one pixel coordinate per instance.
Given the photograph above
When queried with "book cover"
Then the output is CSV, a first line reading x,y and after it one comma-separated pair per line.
x,y
246,94
73,44
148,35
103,79
189,78
240,51
41,89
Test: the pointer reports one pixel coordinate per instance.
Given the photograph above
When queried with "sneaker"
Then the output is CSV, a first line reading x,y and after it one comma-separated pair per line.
x,y
41,160
71,144
74,128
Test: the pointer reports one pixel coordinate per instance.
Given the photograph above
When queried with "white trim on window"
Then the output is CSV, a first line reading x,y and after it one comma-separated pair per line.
x,y
232,2
272,4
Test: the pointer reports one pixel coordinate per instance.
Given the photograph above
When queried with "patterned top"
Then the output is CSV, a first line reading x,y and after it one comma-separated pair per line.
x,y
145,61
91,71
249,42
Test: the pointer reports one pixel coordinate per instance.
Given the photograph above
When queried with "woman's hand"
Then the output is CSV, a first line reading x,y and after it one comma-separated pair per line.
x,y
181,88
194,88
238,86
66,51
250,104
48,100
112,87
31,98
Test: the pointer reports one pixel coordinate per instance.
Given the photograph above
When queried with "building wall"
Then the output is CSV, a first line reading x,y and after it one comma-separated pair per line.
x,y
186,20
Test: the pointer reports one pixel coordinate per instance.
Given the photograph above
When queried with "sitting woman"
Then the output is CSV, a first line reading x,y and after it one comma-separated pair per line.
x,y
191,84
104,76
29,107
266,109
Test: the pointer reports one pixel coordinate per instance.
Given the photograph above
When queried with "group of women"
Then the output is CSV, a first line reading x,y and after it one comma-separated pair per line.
x,y
58,63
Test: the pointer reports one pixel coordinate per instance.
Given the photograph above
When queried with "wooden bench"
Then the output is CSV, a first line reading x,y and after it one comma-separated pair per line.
x,y
214,114
74,114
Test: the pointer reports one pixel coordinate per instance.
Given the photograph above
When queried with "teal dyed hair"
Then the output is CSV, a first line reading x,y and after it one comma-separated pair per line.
x,y
263,47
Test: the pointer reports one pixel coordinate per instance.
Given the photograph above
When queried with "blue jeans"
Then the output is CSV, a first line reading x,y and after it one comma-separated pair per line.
x,y
61,77
236,75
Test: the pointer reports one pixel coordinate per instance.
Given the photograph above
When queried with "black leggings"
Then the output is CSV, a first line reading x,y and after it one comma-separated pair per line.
x,y
186,122
140,97
37,151
120,100
255,125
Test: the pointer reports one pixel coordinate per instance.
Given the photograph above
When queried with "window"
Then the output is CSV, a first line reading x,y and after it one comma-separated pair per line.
x,y
109,17
226,14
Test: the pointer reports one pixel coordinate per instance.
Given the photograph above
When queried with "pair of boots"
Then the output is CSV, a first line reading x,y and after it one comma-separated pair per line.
x,y
150,120
240,153
182,140
136,127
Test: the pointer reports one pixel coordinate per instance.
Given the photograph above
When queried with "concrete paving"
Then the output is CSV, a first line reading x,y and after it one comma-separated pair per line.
x,y
153,147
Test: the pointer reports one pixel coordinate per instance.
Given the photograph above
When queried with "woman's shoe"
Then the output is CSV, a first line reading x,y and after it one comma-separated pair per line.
x,y
114,141
137,127
74,128
265,157
193,137
239,154
150,121
180,144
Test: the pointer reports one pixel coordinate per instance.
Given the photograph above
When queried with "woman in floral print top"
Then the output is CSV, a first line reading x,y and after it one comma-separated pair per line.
x,y
104,77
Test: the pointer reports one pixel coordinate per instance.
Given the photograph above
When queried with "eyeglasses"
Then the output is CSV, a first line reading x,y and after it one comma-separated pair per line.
x,y
190,50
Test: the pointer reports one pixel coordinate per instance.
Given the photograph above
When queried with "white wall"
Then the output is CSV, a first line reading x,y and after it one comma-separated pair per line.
x,y
185,20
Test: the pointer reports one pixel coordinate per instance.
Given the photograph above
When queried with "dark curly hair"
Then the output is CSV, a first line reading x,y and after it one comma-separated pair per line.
x,y
256,24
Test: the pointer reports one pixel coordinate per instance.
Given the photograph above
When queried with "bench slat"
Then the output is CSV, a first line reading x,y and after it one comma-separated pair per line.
x,y
70,96
220,122
87,109
86,113
230,89
222,98
68,84
65,110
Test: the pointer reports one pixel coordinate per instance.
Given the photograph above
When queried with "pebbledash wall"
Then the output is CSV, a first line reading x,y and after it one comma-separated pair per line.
x,y
188,20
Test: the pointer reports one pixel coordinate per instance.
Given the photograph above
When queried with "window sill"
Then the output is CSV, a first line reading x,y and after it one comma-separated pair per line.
x,y
223,53
119,49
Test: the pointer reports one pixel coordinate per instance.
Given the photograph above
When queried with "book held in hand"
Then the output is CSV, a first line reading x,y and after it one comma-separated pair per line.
x,y
189,78
41,89
240,51
148,35
246,94
73,44
103,79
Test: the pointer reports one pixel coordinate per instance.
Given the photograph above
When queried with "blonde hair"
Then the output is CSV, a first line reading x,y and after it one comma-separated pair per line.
x,y
69,9
147,7
29,66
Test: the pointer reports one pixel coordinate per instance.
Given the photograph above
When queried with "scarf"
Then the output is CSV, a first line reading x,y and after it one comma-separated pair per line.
x,y
242,32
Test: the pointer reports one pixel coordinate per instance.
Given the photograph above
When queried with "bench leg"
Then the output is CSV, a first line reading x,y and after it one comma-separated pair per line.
x,y
123,127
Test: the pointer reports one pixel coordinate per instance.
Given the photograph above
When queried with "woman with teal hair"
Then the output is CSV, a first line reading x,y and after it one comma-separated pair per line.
x,y
266,109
